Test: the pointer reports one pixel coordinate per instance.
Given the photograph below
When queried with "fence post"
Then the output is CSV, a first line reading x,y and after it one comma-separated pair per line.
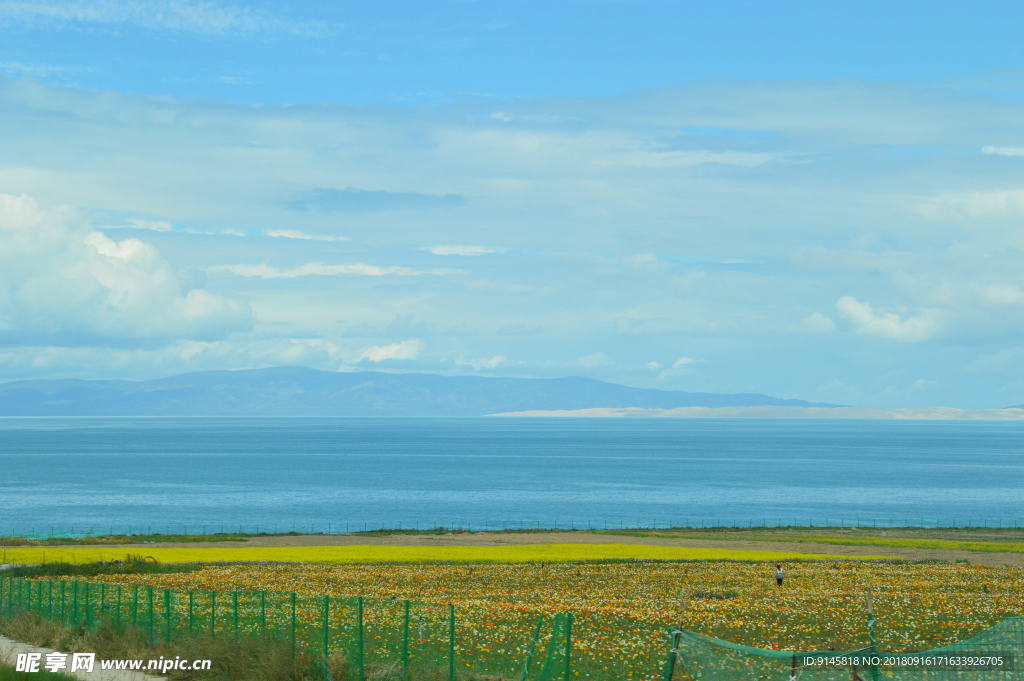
x,y
451,642
532,648
191,610
293,625
135,605
167,615
234,604
545,672
263,612
327,628
117,614
151,615
74,602
871,632
213,612
360,639
88,610
670,663
405,642
62,616
568,646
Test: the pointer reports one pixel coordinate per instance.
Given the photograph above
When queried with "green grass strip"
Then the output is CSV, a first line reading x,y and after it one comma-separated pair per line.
x,y
894,542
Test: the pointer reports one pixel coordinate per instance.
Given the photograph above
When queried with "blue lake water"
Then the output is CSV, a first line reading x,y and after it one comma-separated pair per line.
x,y
78,475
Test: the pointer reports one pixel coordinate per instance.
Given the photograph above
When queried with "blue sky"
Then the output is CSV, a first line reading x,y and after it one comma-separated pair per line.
x,y
813,200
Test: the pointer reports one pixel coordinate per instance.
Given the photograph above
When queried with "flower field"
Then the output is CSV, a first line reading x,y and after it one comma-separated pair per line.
x,y
623,609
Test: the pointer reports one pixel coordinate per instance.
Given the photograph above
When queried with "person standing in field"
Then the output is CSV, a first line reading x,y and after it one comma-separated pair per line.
x,y
780,574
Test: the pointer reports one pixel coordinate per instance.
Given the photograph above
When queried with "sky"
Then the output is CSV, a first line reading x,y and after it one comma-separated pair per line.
x,y
811,200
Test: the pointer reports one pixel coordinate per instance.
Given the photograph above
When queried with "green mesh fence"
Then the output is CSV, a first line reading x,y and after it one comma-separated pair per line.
x,y
993,654
384,639
376,638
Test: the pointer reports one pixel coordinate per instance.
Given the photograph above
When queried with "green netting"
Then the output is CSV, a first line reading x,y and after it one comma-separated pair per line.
x,y
697,656
387,638
382,638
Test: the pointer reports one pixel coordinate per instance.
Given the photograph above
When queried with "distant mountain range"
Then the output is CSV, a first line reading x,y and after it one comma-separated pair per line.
x,y
297,391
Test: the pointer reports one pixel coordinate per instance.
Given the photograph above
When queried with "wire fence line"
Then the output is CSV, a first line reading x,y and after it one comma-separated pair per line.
x,y
397,640
381,638
992,654
200,528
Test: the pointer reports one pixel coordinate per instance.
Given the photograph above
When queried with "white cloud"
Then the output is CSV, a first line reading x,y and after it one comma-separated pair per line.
x,y
203,16
483,362
675,369
165,226
976,204
460,250
151,225
1001,295
25,70
888,325
147,361
316,269
593,361
1003,151
685,159
816,323
302,236
407,349
59,279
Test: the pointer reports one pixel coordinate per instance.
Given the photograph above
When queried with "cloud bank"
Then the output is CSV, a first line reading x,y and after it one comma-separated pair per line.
x,y
841,241
63,283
